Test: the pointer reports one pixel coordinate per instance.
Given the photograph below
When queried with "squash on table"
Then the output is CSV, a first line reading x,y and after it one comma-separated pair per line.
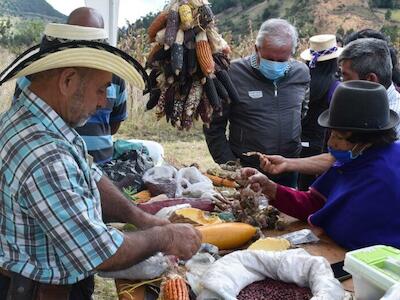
x,y
227,236
270,244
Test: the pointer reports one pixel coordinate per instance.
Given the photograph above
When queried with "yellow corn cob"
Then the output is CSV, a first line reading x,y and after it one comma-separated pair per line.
x,y
185,14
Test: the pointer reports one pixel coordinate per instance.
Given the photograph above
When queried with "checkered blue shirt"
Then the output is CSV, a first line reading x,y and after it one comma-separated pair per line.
x,y
394,103
51,228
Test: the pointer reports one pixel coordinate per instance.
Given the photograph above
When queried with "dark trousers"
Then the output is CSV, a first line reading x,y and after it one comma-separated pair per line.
x,y
286,179
81,290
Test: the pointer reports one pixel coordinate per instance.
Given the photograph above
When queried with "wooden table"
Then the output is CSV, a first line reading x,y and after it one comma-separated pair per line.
x,y
325,247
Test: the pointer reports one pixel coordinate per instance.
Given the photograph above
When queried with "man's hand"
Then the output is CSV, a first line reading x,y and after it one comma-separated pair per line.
x,y
148,221
180,240
184,240
274,164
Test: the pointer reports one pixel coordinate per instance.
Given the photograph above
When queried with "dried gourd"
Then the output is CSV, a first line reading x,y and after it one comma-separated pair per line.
x,y
193,216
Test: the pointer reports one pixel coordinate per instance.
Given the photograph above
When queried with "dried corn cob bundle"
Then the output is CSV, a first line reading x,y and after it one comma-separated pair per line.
x,y
187,55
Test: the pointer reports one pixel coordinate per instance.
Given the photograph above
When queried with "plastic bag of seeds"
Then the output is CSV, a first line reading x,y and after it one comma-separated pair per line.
x,y
230,274
161,180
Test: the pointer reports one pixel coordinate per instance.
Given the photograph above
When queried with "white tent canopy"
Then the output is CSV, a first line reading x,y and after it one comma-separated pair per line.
x,y
109,11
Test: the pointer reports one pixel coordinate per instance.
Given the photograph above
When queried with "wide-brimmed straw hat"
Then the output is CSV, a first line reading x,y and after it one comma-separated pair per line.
x,y
322,47
359,105
66,45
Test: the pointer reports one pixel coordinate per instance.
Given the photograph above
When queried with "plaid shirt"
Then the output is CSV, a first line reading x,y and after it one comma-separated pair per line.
x,y
51,228
394,103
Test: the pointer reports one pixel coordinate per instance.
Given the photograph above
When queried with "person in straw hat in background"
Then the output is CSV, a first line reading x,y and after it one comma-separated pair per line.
x,y
356,202
54,201
321,59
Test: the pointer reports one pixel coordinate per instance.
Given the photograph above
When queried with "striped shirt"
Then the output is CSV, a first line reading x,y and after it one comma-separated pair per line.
x,y
51,228
394,103
97,130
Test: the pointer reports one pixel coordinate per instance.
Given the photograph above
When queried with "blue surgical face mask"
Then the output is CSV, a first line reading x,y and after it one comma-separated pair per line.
x,y
273,70
343,156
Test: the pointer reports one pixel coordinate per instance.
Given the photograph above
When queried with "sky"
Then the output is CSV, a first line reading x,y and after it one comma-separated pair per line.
x,y
128,9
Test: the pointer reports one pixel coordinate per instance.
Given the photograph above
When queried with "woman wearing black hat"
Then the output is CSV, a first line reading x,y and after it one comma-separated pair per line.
x,y
357,200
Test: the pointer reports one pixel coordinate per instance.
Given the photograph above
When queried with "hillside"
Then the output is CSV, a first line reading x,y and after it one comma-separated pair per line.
x,y
30,9
242,17
310,16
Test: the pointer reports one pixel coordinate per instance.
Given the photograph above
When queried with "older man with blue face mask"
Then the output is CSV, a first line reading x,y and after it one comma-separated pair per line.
x,y
272,91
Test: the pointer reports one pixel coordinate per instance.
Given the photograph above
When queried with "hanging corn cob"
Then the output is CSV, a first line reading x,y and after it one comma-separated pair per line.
x,y
189,63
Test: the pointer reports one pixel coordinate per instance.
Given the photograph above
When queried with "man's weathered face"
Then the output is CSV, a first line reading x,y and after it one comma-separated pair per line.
x,y
272,52
90,95
347,72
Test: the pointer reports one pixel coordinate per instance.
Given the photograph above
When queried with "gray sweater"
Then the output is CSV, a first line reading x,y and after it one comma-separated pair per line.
x,y
266,119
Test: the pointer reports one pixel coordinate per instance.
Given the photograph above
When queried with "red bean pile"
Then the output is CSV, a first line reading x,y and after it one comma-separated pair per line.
x,y
270,289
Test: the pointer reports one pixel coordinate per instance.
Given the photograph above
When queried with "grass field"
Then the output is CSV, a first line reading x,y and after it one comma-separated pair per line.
x,y
395,15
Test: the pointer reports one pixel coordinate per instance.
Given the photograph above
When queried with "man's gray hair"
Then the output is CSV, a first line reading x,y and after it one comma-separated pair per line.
x,y
369,55
277,32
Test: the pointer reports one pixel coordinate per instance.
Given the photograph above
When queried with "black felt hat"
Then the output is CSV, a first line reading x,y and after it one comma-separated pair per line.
x,y
359,105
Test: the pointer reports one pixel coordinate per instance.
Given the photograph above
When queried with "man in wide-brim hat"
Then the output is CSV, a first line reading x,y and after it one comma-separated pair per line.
x,y
52,198
356,202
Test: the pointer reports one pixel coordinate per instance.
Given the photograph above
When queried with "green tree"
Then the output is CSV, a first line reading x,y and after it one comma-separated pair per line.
x,y
5,31
388,14
27,33
392,31
271,11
